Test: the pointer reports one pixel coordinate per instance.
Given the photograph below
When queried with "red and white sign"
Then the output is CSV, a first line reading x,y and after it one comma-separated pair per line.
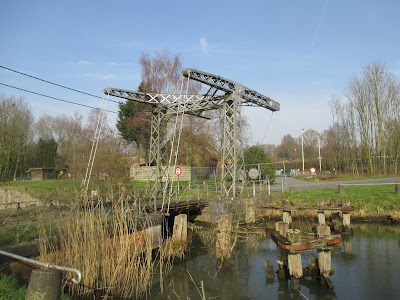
x,y
313,171
178,171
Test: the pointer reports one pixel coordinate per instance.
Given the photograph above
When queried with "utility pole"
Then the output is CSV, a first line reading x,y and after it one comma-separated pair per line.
x,y
319,153
302,148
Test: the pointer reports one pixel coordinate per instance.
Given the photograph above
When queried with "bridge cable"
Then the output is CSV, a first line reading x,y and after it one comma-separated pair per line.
x,y
179,136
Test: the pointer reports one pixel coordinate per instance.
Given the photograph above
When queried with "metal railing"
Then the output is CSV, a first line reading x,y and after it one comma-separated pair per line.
x,y
78,273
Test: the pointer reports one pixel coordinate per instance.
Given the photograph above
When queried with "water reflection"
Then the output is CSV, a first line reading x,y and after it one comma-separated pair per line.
x,y
366,267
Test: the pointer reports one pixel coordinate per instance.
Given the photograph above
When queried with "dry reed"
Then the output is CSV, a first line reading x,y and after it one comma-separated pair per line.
x,y
115,258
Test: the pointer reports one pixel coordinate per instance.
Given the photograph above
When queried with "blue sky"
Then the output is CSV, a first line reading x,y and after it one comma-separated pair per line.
x,y
299,53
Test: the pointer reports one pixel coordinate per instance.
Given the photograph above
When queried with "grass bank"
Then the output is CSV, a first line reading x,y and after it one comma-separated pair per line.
x,y
368,201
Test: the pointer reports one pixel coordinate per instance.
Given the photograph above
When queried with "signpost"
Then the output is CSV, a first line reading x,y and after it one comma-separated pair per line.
x,y
178,172
313,171
253,174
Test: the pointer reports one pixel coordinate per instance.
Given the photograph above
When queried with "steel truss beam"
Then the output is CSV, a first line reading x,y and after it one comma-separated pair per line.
x,y
223,94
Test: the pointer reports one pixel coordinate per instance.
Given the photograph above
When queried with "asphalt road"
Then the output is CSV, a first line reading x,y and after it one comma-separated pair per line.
x,y
300,185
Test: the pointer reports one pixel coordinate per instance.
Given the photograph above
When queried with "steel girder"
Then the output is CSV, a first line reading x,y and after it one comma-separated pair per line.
x,y
171,103
223,94
248,96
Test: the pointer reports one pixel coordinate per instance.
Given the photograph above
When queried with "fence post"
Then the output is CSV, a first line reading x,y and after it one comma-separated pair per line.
x,y
18,208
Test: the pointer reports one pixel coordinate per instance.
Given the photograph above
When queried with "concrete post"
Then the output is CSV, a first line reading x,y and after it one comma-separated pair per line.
x,y
44,285
341,189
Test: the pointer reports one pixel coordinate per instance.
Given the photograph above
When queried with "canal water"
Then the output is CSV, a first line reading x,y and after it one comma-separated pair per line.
x,y
366,266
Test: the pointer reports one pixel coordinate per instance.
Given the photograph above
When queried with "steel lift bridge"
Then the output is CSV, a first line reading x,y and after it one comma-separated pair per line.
x,y
223,94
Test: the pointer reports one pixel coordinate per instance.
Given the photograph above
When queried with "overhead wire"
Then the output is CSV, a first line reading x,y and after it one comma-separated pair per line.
x,y
49,82
265,134
57,84
54,98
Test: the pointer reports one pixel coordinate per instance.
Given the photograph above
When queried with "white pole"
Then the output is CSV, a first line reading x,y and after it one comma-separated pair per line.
x,y
302,148
319,153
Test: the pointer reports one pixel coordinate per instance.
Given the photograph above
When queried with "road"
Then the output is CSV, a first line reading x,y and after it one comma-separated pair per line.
x,y
301,185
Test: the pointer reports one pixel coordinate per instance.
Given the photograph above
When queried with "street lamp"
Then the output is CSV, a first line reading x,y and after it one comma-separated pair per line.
x,y
302,148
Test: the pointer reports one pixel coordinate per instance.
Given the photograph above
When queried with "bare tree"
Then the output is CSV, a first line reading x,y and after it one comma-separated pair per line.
x,y
16,122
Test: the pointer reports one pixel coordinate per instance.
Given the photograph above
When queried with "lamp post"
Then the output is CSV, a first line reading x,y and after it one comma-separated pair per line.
x,y
302,148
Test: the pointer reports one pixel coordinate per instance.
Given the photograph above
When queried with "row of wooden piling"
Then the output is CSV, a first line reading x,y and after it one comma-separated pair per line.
x,y
289,244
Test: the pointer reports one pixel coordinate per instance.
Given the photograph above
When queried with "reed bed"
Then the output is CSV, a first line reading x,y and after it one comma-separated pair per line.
x,y
114,257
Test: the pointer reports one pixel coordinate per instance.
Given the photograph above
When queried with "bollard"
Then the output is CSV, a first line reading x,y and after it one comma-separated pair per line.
x,y
44,285
397,189
341,189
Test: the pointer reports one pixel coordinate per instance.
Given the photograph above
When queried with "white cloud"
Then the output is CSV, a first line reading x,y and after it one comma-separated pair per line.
x,y
204,45
85,62
99,76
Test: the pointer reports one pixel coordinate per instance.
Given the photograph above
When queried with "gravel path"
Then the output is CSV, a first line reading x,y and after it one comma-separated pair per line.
x,y
300,185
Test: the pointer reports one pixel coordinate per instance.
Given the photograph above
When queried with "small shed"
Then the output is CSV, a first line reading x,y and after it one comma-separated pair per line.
x,y
42,173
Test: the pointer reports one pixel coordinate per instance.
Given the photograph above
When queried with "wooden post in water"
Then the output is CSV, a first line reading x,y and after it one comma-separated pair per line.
x,y
295,265
323,230
180,228
345,214
223,251
282,227
346,219
321,218
269,270
325,265
293,235
250,210
287,216
282,260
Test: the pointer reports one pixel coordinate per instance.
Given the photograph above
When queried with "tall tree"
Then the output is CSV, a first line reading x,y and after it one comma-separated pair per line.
x,y
16,123
134,122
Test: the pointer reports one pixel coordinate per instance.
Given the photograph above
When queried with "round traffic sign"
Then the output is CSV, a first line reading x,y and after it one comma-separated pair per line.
x,y
178,171
313,170
253,173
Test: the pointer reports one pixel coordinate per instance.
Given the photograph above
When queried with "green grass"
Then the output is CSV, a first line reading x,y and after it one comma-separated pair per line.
x,y
335,177
371,200
10,288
